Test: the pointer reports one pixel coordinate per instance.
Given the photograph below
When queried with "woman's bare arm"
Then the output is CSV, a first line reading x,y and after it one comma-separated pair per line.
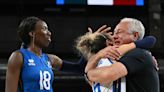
x,y
13,72
55,61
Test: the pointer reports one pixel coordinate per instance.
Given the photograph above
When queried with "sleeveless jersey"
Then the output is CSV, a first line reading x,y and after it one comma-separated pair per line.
x,y
116,86
36,74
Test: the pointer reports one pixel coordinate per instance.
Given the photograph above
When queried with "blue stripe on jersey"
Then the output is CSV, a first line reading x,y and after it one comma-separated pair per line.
x,y
110,60
114,86
97,86
119,85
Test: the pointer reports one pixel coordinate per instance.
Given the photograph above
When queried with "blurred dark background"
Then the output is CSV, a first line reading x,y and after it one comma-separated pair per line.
x,y
69,20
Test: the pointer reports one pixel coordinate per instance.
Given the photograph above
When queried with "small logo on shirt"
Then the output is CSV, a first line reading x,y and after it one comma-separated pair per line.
x,y
49,64
31,62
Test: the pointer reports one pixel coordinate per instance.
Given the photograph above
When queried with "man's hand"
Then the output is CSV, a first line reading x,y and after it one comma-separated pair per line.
x,y
155,62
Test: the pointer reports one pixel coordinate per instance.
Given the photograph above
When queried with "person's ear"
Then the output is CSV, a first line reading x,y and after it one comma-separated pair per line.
x,y
136,35
32,34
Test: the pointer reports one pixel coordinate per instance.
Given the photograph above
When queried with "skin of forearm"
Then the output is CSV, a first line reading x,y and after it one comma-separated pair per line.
x,y
92,62
125,48
107,74
98,75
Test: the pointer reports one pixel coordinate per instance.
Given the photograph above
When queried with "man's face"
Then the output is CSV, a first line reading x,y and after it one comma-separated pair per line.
x,y
122,35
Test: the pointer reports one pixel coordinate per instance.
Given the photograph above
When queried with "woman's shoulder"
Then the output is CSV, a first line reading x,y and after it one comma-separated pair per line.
x,y
16,53
16,57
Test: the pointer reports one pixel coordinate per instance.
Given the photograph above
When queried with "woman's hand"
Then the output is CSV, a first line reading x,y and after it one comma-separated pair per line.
x,y
109,52
102,29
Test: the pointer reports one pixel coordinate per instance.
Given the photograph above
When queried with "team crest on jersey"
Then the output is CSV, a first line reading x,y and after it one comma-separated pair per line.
x,y
31,62
49,64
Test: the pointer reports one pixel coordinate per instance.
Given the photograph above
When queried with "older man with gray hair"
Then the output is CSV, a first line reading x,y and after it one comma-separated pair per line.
x,y
137,65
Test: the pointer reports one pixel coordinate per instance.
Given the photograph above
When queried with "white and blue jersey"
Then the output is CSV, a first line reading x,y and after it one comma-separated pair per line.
x,y
116,86
36,74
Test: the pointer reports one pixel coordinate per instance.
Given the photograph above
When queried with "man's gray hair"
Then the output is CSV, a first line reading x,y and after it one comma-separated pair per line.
x,y
135,26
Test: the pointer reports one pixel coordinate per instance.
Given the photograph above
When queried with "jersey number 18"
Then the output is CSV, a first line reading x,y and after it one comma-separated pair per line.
x,y
45,78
